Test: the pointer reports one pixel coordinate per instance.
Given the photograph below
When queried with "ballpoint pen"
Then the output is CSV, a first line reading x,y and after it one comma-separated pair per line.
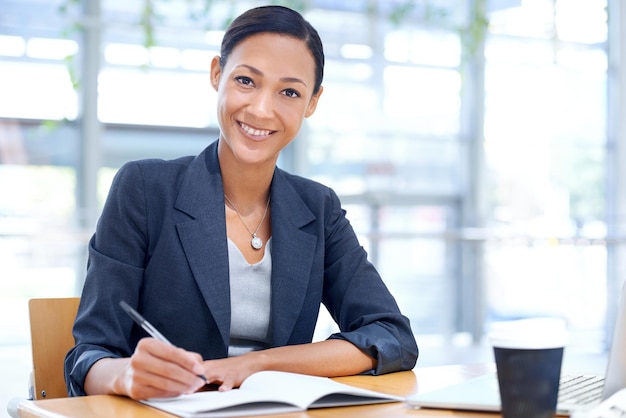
x,y
148,327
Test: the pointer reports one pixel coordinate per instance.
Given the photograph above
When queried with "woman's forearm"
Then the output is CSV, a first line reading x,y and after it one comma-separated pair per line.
x,y
103,375
325,358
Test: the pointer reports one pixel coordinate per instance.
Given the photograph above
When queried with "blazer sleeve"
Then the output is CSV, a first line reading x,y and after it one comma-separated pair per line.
x,y
114,272
360,302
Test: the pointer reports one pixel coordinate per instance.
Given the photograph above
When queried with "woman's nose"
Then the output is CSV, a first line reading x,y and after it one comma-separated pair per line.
x,y
262,104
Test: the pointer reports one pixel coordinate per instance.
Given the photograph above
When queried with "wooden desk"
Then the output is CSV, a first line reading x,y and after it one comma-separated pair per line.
x,y
402,384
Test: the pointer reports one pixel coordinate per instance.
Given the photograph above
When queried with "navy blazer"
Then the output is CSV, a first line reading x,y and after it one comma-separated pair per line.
x,y
161,246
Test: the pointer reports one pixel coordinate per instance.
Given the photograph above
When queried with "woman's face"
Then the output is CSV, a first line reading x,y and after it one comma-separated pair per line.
x,y
265,91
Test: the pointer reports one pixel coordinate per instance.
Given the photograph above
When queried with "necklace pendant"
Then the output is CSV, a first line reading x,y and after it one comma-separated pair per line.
x,y
256,242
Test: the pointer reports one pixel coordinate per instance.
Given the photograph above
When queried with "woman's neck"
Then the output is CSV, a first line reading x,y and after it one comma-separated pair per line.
x,y
247,185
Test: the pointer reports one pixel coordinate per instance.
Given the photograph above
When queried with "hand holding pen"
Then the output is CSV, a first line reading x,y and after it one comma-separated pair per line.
x,y
148,327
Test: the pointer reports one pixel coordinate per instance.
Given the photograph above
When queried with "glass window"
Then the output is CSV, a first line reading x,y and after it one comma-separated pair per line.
x,y
136,96
386,136
545,136
50,49
32,90
12,46
426,47
39,238
422,100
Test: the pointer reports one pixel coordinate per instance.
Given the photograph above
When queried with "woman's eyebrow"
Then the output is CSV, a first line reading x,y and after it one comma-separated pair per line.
x,y
292,80
283,79
251,68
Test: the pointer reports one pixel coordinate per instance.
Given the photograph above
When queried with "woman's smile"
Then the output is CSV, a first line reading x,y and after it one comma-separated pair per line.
x,y
255,132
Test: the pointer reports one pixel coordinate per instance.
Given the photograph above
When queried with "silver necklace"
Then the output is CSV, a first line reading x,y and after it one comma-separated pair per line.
x,y
256,242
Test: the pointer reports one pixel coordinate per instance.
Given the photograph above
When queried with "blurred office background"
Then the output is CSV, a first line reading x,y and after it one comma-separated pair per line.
x,y
479,148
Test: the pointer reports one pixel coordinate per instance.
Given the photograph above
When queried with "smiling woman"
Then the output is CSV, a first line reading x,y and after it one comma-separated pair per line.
x,y
250,271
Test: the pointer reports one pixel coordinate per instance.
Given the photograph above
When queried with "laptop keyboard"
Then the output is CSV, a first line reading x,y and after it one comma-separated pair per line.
x,y
580,389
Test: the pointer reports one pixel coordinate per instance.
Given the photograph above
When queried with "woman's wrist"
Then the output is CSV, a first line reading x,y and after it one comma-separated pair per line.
x,y
107,376
259,361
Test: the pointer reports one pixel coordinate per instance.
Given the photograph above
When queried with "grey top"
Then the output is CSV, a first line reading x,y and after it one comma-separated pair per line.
x,y
250,293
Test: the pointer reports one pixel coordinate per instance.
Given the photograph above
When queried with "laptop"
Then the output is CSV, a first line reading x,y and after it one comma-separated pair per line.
x,y
575,391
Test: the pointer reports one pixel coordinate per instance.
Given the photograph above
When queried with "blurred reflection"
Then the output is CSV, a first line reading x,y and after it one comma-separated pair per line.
x,y
12,149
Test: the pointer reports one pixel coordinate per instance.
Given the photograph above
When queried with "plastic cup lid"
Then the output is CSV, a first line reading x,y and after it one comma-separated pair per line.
x,y
531,333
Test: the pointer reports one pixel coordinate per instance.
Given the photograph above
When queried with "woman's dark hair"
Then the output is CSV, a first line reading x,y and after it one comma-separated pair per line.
x,y
275,19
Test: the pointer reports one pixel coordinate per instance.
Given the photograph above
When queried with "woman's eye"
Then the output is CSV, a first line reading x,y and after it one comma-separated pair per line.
x,y
246,81
291,93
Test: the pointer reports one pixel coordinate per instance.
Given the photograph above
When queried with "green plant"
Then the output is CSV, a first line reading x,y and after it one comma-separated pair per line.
x,y
149,19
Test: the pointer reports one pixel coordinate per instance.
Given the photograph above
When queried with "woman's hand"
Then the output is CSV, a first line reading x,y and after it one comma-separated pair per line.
x,y
155,370
229,373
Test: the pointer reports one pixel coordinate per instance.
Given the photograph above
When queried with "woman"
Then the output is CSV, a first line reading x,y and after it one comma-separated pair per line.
x,y
228,256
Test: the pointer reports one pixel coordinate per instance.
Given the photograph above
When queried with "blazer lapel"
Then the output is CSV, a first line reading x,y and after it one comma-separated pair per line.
x,y
203,234
292,256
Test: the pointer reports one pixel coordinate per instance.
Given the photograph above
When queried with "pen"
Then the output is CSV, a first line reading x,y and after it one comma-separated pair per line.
x,y
148,327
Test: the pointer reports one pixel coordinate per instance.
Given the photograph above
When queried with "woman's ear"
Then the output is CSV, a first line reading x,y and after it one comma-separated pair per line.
x,y
313,103
216,72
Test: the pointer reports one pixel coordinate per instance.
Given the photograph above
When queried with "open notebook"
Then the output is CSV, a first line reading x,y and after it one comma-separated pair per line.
x,y
575,392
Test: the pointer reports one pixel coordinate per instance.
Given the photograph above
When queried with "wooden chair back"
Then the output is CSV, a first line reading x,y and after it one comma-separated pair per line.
x,y
51,321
